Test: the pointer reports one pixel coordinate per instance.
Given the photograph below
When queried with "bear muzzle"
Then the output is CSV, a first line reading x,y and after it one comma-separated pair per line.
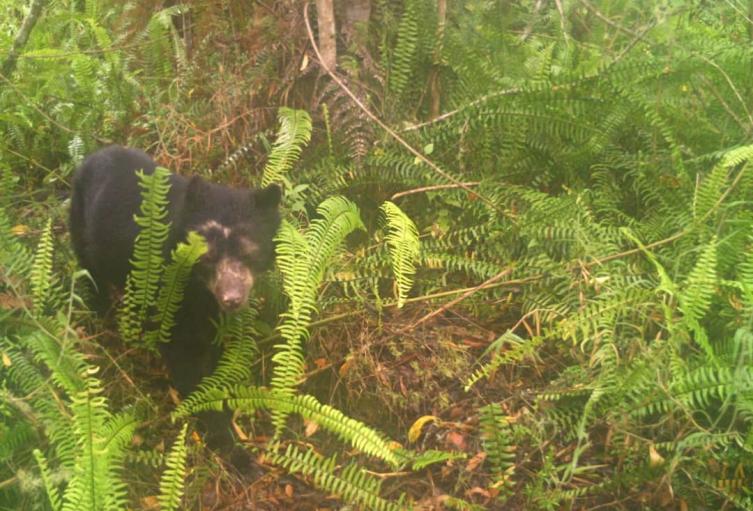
x,y
231,284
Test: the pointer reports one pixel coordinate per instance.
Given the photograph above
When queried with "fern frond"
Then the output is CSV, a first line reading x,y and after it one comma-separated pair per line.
x,y
66,364
302,260
695,297
352,483
53,493
90,484
116,436
405,51
237,334
404,246
147,261
174,281
360,436
41,277
518,349
338,217
293,134
293,262
14,256
498,443
171,483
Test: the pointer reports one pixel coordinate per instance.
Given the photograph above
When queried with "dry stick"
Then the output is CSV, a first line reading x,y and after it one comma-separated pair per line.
x,y
381,124
432,189
459,299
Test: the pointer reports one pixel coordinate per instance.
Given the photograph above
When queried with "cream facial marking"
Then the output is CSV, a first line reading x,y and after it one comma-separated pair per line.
x,y
213,225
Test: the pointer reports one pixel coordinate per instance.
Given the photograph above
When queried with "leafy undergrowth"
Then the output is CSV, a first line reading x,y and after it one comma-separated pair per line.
x,y
543,302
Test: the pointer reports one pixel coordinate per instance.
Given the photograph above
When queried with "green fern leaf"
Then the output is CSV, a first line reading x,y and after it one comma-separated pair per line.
x,y
41,276
698,291
405,51
352,483
171,483
174,281
14,256
293,134
53,493
498,443
302,260
147,261
404,246
236,334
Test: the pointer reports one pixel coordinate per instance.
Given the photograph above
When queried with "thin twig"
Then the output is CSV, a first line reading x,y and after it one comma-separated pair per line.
x,y
431,189
414,299
459,299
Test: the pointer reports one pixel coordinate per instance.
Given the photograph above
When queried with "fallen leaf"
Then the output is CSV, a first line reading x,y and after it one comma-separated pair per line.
x,y
289,490
477,490
10,302
6,360
414,433
321,363
475,462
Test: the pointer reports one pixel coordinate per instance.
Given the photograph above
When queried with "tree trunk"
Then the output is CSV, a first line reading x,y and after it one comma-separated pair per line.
x,y
325,16
22,37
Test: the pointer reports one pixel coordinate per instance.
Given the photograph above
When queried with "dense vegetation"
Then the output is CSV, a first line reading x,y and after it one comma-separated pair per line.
x,y
515,271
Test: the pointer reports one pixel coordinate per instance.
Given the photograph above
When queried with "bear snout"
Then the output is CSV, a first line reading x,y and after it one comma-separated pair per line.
x,y
231,284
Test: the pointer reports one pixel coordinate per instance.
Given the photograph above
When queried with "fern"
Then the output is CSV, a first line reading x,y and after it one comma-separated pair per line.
x,y
498,444
236,334
171,483
696,296
174,281
402,240
41,277
352,483
519,349
292,136
405,50
302,260
53,494
147,261
250,399
14,256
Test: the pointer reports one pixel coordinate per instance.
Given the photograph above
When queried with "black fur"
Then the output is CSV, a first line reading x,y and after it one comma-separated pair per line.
x,y
105,198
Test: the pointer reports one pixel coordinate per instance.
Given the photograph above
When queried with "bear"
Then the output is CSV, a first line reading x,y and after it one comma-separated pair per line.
x,y
238,224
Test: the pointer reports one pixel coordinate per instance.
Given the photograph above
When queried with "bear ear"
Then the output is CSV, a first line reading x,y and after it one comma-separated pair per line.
x,y
268,198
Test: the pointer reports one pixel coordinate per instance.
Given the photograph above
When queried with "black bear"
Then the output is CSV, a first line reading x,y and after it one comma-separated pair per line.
x,y
238,224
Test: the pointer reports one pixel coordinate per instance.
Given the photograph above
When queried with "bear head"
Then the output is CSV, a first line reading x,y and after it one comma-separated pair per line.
x,y
239,226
